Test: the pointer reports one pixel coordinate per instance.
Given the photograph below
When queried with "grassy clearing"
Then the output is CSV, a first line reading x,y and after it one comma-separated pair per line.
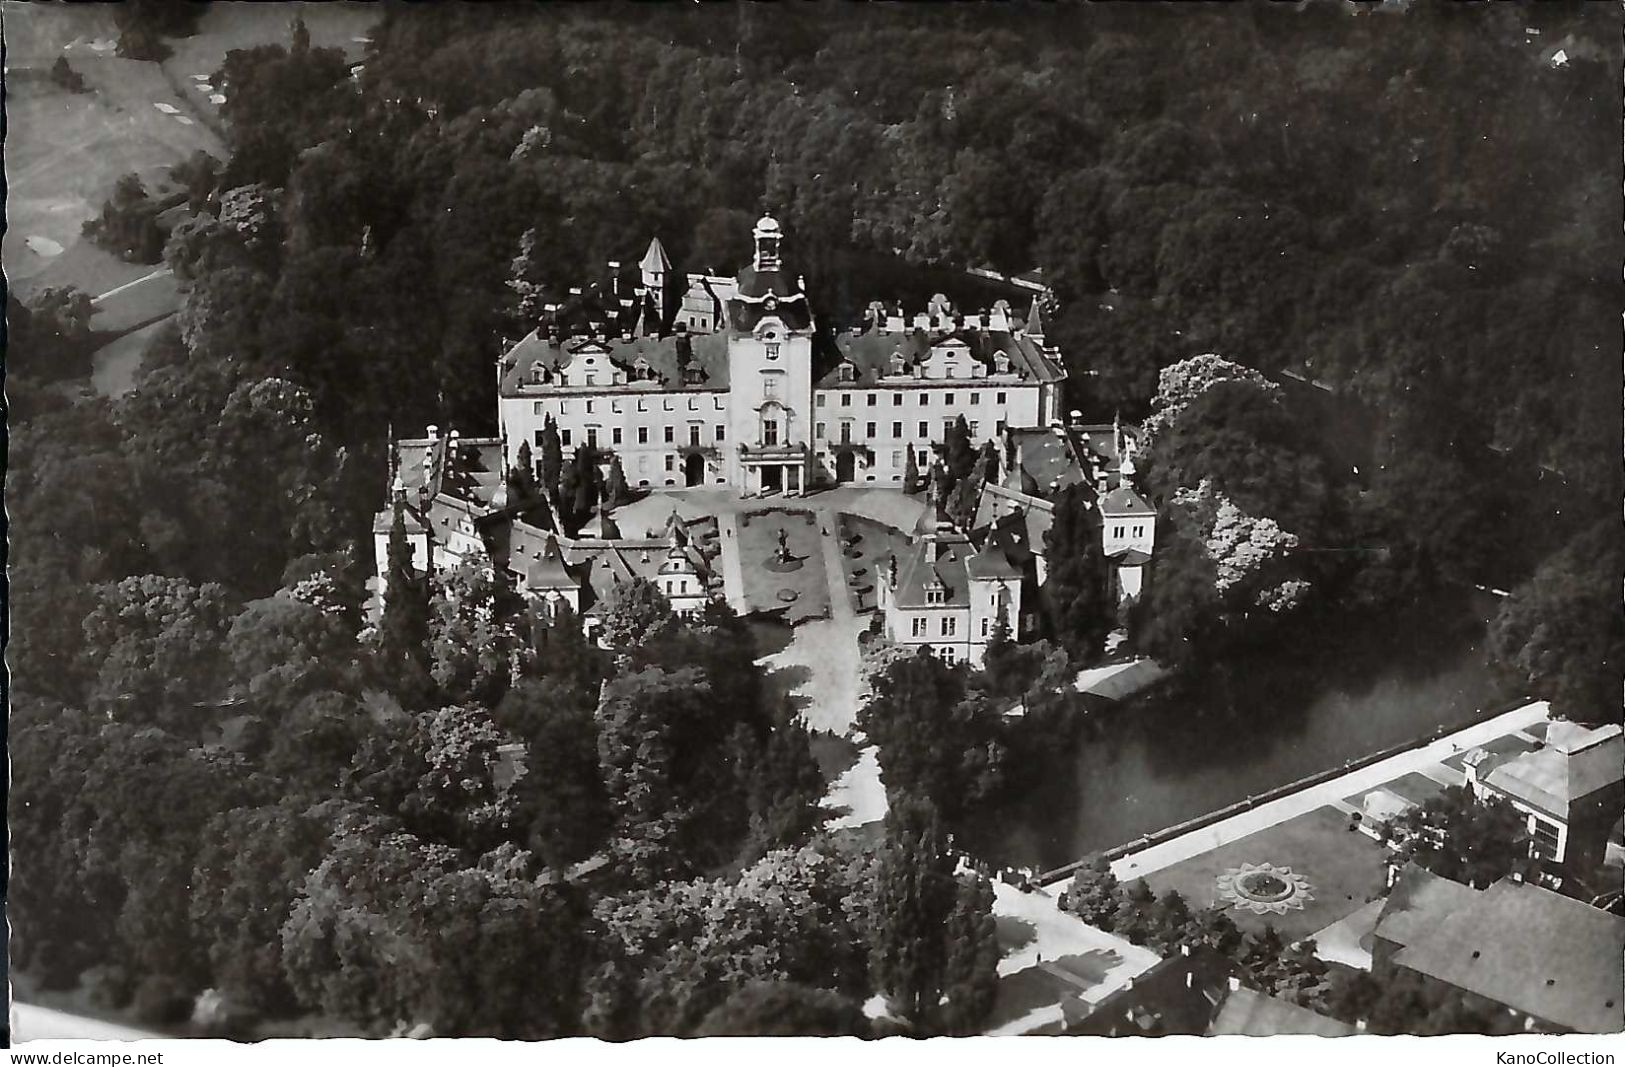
x,y
1345,871
66,150
758,544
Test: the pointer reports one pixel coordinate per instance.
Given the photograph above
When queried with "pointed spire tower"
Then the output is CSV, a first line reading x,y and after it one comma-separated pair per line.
x,y
1035,322
655,269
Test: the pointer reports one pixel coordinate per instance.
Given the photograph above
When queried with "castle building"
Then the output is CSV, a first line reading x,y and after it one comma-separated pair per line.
x,y
947,593
704,380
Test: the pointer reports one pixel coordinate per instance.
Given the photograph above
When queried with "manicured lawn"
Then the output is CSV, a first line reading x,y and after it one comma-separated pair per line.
x,y
768,589
65,150
1344,869
1416,788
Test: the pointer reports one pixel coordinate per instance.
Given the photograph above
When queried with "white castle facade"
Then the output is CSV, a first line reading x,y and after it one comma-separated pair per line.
x,y
720,381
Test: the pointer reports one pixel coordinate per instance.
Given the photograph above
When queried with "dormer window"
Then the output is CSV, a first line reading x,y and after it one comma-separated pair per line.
x,y
936,593
1001,362
846,373
897,363
538,373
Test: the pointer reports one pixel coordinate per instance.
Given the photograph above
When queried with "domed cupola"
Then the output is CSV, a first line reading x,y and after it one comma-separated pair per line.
x,y
767,235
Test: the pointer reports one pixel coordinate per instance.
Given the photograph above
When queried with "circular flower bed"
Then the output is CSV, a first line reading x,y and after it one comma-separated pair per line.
x,y
1263,888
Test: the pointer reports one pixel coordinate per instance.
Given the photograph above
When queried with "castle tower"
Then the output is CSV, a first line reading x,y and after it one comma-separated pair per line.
x,y
770,330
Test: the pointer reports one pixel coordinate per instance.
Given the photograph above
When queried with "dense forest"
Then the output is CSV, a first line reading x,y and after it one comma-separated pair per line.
x,y
1419,210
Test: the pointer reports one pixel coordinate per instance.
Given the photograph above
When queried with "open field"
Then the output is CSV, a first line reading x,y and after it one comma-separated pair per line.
x,y
66,150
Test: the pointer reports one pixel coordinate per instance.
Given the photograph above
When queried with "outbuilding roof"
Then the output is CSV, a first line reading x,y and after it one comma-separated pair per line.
x,y
1533,950
1249,1013
1419,901
1575,762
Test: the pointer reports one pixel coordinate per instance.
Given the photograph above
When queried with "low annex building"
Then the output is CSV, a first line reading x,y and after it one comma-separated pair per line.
x,y
1570,789
701,380
1553,962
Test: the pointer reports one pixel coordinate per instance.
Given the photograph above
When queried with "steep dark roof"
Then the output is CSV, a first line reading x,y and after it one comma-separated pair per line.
x,y
930,560
549,572
870,353
1180,995
1125,501
991,562
709,352
758,283
1247,1013
778,298
1045,462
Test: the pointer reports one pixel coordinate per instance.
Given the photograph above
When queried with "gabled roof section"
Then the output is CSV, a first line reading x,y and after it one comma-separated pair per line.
x,y
706,353
1575,763
1125,502
991,564
872,352
931,563
549,572
1046,461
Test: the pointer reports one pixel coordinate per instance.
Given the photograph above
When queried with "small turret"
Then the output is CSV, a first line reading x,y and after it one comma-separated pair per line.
x,y
767,236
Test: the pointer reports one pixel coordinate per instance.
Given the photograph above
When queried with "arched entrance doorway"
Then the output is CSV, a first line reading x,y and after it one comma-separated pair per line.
x,y
694,470
846,467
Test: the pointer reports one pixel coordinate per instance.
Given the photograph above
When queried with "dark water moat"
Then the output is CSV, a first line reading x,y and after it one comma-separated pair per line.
x,y
1262,722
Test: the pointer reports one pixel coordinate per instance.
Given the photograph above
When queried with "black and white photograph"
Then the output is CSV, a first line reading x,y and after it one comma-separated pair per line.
x,y
633,520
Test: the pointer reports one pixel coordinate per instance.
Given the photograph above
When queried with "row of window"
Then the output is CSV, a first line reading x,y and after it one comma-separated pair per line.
x,y
540,407
873,399
949,627
871,430
590,405
1139,530
719,433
